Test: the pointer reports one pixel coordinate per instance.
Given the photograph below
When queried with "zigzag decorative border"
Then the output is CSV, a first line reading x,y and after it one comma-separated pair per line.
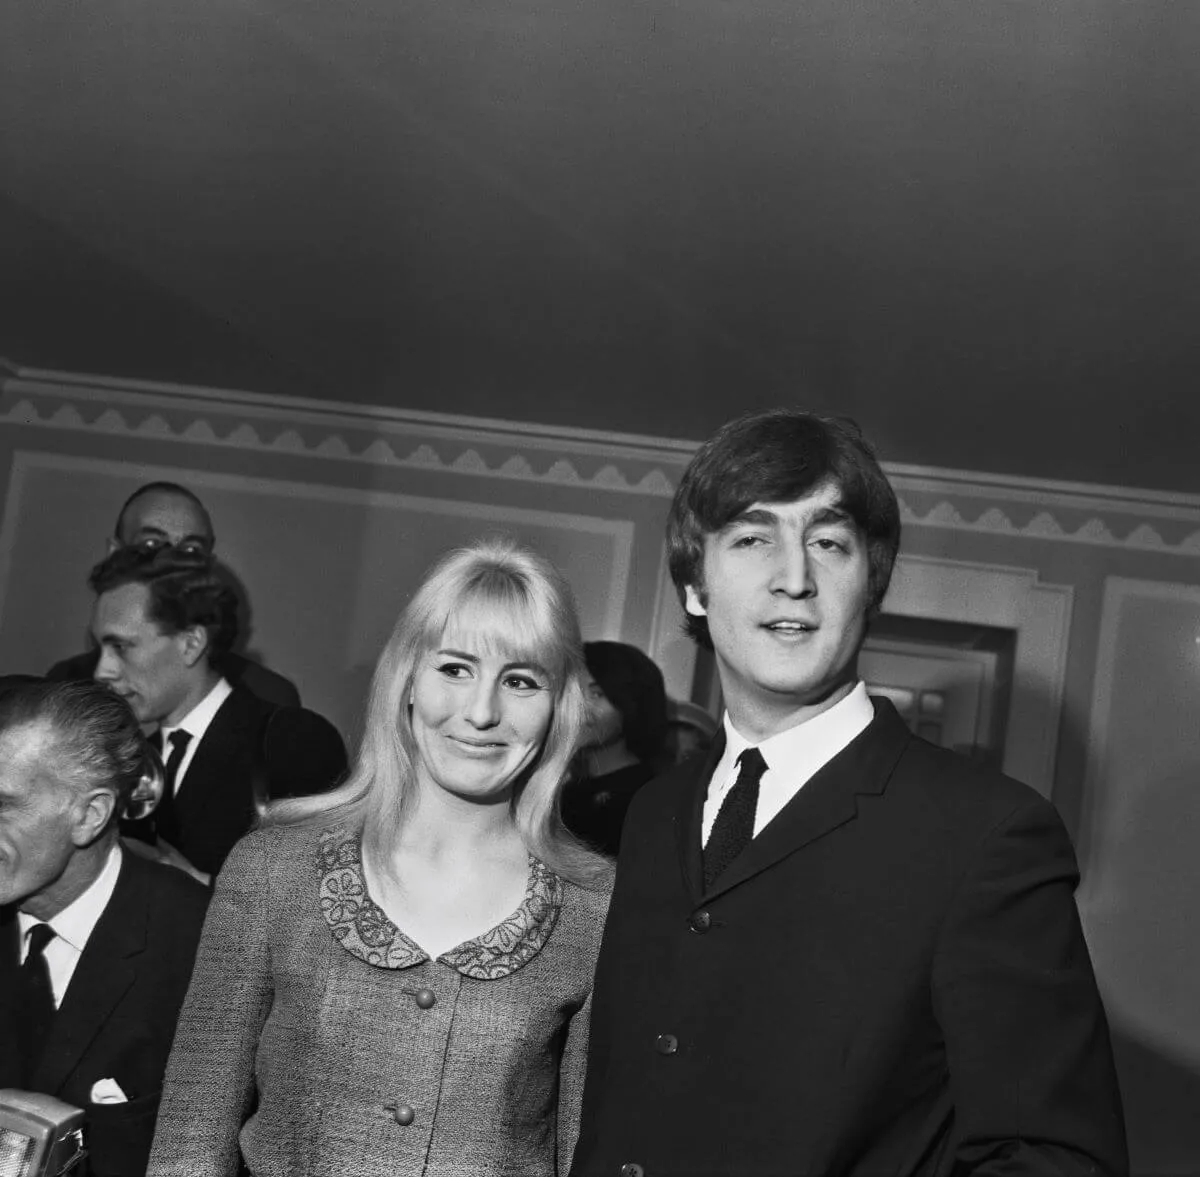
x,y
378,436
377,451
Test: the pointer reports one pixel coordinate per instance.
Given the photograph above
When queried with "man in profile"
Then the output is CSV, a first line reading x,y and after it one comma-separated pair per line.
x,y
163,621
833,948
165,514
96,944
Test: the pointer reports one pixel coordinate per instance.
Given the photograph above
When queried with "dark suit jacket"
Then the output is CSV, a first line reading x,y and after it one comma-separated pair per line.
x,y
214,805
891,979
255,677
117,1019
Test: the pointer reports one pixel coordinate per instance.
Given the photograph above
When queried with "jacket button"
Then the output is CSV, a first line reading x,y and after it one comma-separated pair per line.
x,y
404,1115
666,1044
632,1169
701,921
426,998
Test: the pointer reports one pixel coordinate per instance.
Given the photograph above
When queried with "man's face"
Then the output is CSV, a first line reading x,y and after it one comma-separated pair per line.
x,y
784,588
151,670
160,518
39,816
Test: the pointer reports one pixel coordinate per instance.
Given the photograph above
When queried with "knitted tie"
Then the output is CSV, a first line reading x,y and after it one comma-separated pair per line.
x,y
34,1003
734,827
166,818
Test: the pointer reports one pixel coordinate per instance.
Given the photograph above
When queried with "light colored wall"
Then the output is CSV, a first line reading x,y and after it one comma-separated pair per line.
x,y
330,515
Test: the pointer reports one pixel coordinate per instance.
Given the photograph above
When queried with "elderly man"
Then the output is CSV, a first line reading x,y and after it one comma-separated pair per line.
x,y
96,944
164,620
162,514
833,948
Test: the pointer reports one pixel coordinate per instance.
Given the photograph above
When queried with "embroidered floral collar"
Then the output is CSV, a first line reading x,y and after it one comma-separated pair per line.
x,y
360,926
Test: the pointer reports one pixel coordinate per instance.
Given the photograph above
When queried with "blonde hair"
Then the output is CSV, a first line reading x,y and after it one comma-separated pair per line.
x,y
509,599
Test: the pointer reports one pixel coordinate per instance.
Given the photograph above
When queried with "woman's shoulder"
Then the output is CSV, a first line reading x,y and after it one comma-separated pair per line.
x,y
286,849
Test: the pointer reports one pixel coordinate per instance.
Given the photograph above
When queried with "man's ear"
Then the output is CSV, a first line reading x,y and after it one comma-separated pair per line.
x,y
113,545
193,643
693,601
94,813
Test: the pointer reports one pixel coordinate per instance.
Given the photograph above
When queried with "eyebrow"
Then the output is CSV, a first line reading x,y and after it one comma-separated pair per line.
x,y
764,515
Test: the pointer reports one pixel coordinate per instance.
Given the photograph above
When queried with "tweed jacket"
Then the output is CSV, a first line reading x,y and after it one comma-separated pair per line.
x,y
318,1041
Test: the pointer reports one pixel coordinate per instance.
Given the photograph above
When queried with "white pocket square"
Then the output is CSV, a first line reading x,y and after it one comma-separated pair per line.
x,y
108,1091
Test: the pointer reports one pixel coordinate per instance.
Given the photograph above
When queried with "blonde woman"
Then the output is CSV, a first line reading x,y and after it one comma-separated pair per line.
x,y
395,977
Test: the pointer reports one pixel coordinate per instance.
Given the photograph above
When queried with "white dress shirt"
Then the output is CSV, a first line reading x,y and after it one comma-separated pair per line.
x,y
73,925
793,757
195,723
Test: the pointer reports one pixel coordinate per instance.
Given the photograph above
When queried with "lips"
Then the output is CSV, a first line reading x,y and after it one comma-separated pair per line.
x,y
789,626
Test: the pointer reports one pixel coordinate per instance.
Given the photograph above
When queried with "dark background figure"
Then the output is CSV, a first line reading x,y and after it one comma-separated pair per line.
x,y
96,944
623,744
162,514
163,620
690,731
832,946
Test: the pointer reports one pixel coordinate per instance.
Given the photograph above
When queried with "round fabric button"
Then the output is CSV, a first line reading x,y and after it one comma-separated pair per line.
x,y
666,1044
701,921
632,1169
426,998
404,1115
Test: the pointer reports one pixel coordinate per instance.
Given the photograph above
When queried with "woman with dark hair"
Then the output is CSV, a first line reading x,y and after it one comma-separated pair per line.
x,y
395,977
623,741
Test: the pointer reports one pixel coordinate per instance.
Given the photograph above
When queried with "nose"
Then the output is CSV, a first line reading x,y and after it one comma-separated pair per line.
x,y
106,668
483,707
793,571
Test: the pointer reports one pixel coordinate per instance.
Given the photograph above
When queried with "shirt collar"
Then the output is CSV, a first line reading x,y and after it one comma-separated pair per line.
x,y
196,721
76,922
815,740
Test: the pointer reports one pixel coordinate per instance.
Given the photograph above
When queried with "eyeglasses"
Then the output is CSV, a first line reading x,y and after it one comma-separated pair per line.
x,y
188,546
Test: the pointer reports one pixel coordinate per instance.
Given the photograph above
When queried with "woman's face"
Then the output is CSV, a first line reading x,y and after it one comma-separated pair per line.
x,y
604,723
479,717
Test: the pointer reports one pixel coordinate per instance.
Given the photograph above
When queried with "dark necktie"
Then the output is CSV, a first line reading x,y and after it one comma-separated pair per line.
x,y
166,818
734,827
35,999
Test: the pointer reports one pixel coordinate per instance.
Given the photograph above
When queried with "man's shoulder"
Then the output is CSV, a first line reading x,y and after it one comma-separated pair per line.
x,y
165,888
266,684
963,788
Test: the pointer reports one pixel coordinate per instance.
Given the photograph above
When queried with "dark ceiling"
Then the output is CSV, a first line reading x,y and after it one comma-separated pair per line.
x,y
970,223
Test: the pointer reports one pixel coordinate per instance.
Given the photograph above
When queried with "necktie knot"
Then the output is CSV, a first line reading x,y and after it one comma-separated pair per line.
x,y
179,740
751,766
39,936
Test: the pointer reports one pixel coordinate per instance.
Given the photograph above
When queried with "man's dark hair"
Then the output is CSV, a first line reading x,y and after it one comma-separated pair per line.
x,y
98,743
185,590
777,457
172,488
633,684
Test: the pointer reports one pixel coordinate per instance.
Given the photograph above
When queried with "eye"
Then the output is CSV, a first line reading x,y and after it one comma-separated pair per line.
x,y
454,669
522,682
826,544
749,540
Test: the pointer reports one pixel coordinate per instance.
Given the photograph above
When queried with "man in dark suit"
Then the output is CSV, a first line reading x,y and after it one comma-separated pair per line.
x,y
96,943
833,949
164,620
158,515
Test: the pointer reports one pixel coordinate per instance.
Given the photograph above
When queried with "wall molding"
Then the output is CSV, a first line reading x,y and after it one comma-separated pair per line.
x,y
1010,598
381,436
1118,591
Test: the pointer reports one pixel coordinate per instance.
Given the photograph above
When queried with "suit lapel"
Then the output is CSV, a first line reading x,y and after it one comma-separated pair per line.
x,y
689,817
106,970
9,933
828,800
223,733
